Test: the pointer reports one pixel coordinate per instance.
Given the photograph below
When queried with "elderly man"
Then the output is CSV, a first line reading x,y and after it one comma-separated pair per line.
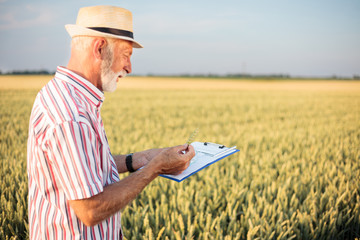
x,y
74,187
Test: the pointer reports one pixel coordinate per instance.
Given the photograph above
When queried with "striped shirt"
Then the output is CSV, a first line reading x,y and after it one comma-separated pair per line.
x,y
68,158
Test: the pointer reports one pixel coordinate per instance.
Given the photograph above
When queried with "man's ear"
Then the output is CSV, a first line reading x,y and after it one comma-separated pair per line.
x,y
98,47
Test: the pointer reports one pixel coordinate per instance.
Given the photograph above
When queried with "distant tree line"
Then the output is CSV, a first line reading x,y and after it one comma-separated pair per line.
x,y
256,76
209,75
27,72
236,75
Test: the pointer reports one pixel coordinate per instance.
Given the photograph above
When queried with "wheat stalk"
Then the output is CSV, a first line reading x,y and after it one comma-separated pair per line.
x,y
192,136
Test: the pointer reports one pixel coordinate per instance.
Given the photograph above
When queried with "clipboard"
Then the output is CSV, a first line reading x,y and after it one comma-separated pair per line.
x,y
206,153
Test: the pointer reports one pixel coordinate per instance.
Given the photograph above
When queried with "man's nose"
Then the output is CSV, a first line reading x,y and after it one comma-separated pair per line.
x,y
127,67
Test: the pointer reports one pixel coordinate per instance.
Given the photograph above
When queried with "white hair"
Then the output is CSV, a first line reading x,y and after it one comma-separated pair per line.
x,y
83,43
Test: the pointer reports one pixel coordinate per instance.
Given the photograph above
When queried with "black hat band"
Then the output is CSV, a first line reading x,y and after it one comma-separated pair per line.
x,y
114,31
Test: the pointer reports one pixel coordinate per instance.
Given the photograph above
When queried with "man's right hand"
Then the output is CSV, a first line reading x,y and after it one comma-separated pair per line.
x,y
174,160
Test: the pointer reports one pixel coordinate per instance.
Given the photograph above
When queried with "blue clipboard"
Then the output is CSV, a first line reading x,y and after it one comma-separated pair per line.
x,y
205,154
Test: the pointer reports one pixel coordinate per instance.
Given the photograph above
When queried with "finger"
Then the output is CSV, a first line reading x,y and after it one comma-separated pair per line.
x,y
176,173
182,169
190,151
182,148
187,165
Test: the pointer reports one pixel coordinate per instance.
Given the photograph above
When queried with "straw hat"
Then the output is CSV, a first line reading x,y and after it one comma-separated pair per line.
x,y
104,21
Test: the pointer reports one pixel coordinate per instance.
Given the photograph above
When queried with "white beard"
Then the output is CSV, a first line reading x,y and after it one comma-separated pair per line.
x,y
109,79
108,76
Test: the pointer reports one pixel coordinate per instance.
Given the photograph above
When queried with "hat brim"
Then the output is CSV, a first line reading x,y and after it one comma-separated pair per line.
x,y
76,30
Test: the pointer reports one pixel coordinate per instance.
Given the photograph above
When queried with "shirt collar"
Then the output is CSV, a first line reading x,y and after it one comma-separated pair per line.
x,y
84,86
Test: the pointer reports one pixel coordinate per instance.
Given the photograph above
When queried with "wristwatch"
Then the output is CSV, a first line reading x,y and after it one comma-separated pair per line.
x,y
129,162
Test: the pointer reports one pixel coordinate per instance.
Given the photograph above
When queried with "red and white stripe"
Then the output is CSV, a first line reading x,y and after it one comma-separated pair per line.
x,y
68,158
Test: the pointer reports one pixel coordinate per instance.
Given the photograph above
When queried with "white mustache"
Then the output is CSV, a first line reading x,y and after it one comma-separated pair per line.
x,y
122,74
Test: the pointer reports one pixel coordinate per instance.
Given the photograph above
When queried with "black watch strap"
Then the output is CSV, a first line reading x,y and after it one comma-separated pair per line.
x,y
129,162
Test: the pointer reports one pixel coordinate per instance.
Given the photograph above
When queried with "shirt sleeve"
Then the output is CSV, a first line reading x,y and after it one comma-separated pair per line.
x,y
74,156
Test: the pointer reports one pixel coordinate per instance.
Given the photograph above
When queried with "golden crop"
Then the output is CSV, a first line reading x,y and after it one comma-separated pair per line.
x,y
297,175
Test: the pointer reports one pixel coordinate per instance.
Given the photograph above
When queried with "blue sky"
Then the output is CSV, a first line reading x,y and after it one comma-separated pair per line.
x,y
307,38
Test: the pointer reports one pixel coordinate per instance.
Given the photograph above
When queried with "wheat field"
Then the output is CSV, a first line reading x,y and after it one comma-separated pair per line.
x,y
297,175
